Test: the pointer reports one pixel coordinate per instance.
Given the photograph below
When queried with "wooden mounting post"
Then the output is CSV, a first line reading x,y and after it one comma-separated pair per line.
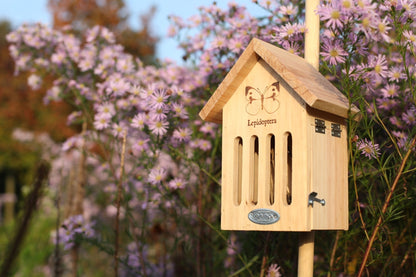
x,y
306,239
306,253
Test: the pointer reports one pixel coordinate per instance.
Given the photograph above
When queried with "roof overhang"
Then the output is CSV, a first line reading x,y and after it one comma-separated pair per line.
x,y
303,78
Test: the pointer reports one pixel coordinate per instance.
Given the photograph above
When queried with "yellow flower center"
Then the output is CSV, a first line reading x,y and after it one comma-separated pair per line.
x,y
346,4
333,53
381,27
368,150
335,14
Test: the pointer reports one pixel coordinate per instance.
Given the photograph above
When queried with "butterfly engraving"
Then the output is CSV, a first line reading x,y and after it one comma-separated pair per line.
x,y
266,100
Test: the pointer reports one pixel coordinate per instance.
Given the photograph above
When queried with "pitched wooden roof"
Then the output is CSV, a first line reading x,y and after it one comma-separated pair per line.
x,y
304,79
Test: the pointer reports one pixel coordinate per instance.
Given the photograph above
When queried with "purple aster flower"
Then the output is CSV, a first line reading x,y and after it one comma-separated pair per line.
x,y
157,175
73,142
385,103
106,109
72,227
106,56
118,130
140,145
203,144
118,86
273,271
288,10
209,129
409,116
177,183
396,73
158,127
139,120
401,138
159,114
390,90
333,52
34,81
382,27
368,148
101,121
107,35
125,64
179,110
332,14
379,65
236,45
182,134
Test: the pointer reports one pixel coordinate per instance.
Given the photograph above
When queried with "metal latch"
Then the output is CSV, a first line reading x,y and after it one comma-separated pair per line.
x,y
312,198
319,126
336,130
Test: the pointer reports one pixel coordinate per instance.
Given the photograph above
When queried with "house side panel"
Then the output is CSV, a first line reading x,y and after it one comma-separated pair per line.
x,y
329,175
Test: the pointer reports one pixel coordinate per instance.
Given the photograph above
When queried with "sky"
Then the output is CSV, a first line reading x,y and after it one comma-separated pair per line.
x,y
31,11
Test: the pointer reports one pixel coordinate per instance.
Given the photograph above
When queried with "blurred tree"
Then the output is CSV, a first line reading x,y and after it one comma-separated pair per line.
x,y
23,108
84,14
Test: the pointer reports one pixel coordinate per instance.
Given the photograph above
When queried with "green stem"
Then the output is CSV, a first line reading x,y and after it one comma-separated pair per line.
x,y
385,206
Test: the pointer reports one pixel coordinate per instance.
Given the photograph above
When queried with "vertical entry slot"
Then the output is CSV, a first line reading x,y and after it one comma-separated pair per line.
x,y
237,170
254,169
270,185
287,182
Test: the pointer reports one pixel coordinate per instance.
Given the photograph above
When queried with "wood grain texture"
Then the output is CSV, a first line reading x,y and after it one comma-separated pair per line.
x,y
271,93
306,81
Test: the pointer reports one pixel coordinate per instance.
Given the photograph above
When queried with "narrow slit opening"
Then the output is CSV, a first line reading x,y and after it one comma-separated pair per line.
x,y
289,153
254,169
238,170
271,168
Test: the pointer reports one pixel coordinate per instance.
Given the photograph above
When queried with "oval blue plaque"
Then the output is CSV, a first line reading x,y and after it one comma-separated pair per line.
x,y
263,216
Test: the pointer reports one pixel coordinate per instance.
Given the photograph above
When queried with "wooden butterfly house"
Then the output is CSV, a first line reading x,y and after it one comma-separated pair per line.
x,y
284,144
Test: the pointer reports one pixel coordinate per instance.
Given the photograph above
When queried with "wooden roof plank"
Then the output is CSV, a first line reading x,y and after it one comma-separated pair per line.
x,y
306,81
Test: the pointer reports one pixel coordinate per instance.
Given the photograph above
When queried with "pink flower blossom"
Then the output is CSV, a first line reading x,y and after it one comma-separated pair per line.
x,y
157,175
209,129
368,148
333,52
182,134
34,81
118,130
158,127
107,109
202,144
410,116
378,64
179,110
390,90
101,121
158,99
332,14
139,121
177,183
273,271
118,86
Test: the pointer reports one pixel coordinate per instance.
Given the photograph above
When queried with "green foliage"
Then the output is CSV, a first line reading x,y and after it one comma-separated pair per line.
x,y
37,249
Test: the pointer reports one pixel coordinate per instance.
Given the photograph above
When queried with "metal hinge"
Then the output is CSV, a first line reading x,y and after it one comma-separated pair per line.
x,y
319,126
336,130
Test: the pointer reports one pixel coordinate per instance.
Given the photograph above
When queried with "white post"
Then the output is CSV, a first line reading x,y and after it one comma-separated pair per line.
x,y
306,239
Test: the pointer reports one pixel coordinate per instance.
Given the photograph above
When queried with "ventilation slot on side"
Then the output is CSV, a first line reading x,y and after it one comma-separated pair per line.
x,y
254,169
238,170
288,167
270,172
